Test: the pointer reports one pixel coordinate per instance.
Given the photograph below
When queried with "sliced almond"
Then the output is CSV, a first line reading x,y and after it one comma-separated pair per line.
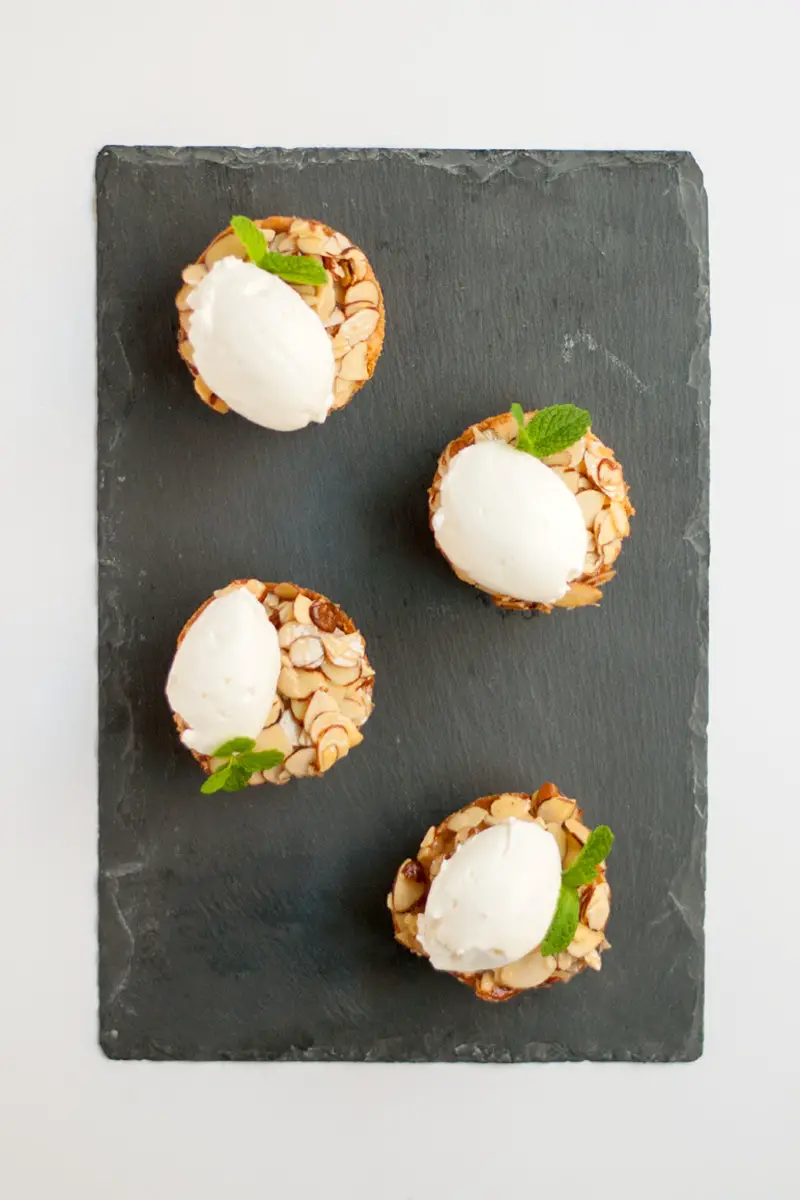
x,y
306,652
335,318
360,327
297,684
343,650
290,726
182,298
302,609
619,518
354,364
285,611
510,805
277,774
193,274
324,616
299,709
301,762
311,244
584,942
557,809
256,778
274,713
342,392
408,886
562,459
578,595
325,720
590,504
341,676
286,591
593,960
565,961
293,630
355,708
578,830
560,836
528,972
224,247
576,452
332,746
284,244
366,291
325,302
570,478
358,262
572,851
274,739
611,551
599,907
320,702
468,818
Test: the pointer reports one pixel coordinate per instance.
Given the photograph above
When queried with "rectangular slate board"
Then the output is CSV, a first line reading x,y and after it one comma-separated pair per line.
x,y
254,926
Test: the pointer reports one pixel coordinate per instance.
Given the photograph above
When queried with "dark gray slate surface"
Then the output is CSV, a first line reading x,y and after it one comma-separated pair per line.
x,y
254,926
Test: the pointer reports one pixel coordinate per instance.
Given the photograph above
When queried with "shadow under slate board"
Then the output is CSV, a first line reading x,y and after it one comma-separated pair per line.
x,y
254,926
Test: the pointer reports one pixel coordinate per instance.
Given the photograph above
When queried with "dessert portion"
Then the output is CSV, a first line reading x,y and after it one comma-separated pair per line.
x,y
507,894
270,682
531,508
281,320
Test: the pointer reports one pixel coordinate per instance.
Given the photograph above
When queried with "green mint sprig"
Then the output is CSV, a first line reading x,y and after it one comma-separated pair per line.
x,y
241,761
294,268
551,430
583,870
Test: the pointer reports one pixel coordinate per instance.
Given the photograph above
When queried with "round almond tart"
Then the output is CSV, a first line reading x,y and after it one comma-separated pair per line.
x,y
563,818
349,304
592,474
324,689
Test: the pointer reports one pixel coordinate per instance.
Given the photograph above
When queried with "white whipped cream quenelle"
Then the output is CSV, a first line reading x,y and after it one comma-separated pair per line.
x,y
510,523
224,674
259,346
493,900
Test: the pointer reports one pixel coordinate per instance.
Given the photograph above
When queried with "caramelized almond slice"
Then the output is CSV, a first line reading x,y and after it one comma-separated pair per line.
x,y
286,591
306,652
511,805
557,809
353,366
366,291
409,886
274,738
224,247
293,630
529,972
320,702
302,762
599,907
297,684
341,676
590,504
275,713
342,392
578,830
360,327
343,650
585,941
579,594
332,746
302,609
299,709
468,818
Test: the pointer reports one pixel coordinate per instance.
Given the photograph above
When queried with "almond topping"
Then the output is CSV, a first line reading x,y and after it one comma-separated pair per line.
x,y
528,972
367,291
298,684
354,364
306,652
599,907
468,818
510,805
584,942
360,327
557,808
301,762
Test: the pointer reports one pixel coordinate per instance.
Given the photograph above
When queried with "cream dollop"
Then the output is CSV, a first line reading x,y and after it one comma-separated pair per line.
x,y
224,674
510,523
493,900
259,346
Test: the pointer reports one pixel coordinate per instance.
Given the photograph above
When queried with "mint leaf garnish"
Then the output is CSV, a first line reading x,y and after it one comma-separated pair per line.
x,y
551,430
564,923
233,775
234,746
217,780
262,760
584,868
294,268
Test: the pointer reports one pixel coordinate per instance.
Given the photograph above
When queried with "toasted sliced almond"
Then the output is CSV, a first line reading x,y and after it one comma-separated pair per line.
x,y
320,702
298,684
301,762
584,942
590,504
358,262
302,609
593,960
325,720
293,630
572,851
360,327
467,818
224,247
354,364
562,459
576,452
578,830
528,972
570,478
343,650
274,739
364,292
579,594
565,961
408,888
306,652
510,805
194,273
299,709
558,833
186,351
275,712
332,746
342,392
336,317
341,676
599,907
557,809
286,591
312,244
619,518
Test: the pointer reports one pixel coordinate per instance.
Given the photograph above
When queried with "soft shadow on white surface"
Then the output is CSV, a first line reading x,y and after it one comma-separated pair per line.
x,y
716,79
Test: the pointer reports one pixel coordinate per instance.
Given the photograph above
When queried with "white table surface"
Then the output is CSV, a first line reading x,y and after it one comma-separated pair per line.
x,y
712,77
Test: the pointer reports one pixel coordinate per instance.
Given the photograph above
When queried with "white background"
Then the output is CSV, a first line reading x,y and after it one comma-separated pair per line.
x,y
715,78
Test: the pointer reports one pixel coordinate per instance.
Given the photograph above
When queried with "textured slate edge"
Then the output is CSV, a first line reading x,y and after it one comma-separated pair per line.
x,y
483,164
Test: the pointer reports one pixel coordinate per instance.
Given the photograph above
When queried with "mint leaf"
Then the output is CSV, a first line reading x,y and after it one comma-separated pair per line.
x,y
518,413
216,781
262,760
235,746
237,779
564,922
584,868
551,430
294,268
251,238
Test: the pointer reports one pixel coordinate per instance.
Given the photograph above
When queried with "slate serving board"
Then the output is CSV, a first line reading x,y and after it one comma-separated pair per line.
x,y
254,926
